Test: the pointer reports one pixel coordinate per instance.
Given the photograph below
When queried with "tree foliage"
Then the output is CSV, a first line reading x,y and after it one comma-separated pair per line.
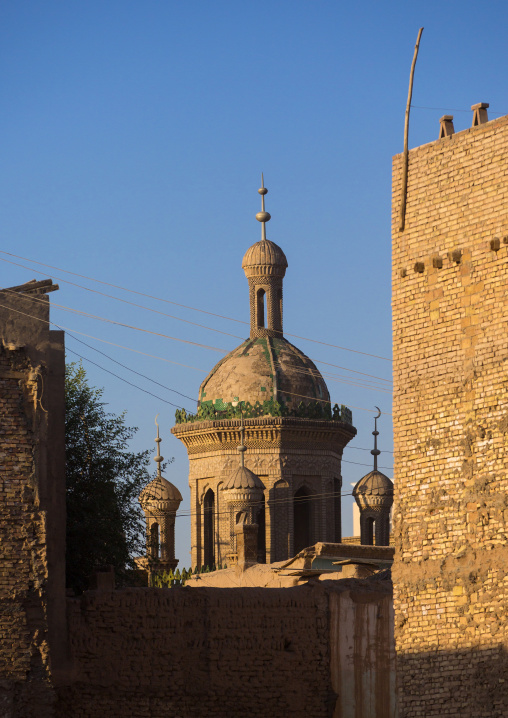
x,y
104,478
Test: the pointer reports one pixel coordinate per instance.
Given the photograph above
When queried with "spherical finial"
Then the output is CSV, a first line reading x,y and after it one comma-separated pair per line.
x,y
263,217
263,190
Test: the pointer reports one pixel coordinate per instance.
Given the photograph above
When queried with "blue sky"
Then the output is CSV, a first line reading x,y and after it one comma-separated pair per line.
x,y
133,138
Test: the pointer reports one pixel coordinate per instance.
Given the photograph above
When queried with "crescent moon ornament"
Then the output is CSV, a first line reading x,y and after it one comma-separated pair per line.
x,y
377,417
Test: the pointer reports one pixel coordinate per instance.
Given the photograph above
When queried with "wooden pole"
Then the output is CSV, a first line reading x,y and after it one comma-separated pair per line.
x,y
406,135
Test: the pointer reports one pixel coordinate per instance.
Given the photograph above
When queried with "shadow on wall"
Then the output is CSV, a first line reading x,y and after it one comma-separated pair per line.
x,y
319,650
468,683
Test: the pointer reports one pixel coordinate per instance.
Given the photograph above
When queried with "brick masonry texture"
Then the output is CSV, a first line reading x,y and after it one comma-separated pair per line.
x,y
320,650
450,339
23,572
32,507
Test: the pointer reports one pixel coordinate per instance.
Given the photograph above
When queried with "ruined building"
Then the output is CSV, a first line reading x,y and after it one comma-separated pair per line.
x,y
294,439
450,340
32,499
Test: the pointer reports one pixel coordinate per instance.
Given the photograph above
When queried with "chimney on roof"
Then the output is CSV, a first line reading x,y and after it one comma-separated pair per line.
x,y
480,116
446,128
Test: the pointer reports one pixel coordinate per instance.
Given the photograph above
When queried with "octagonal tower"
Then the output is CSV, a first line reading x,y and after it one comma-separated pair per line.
x,y
293,437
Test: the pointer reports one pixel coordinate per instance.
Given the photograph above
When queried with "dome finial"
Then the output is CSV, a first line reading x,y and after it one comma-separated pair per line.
x,y
263,216
158,458
375,451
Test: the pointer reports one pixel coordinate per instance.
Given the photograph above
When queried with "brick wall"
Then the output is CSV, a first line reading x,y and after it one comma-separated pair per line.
x,y
450,307
322,650
32,507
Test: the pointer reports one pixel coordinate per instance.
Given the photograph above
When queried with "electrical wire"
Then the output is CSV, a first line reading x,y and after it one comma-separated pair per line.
x,y
360,448
118,299
125,289
314,372
185,513
122,379
129,368
149,309
31,316
140,329
188,513
390,468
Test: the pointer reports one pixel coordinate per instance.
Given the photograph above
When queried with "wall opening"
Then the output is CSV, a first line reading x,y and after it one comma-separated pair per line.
x,y
337,528
261,522
155,540
209,528
302,519
260,308
369,531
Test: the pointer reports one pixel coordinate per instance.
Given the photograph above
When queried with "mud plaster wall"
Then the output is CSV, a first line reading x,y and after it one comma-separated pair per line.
x,y
450,299
32,508
323,650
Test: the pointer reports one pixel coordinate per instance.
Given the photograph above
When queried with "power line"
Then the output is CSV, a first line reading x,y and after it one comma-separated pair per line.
x,y
303,396
388,468
331,377
122,379
203,346
118,299
138,329
149,309
166,336
360,448
271,502
129,368
313,372
159,299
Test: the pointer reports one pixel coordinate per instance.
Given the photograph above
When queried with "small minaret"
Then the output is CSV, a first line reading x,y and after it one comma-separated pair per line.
x,y
160,500
244,493
374,496
265,265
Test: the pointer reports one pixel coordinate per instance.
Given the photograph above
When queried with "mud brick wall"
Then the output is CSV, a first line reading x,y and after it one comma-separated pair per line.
x,y
32,508
322,650
450,329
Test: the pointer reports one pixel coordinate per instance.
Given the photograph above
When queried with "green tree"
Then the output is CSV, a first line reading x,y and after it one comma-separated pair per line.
x,y
104,478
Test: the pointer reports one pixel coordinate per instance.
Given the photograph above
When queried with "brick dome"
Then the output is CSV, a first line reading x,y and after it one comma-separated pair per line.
x,y
160,493
264,258
264,368
374,491
244,479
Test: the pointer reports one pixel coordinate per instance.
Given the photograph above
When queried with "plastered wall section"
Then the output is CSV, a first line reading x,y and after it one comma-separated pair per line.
x,y
323,650
32,507
450,341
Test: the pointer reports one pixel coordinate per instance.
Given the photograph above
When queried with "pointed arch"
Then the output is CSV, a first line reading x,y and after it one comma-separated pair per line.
x,y
302,518
209,528
260,308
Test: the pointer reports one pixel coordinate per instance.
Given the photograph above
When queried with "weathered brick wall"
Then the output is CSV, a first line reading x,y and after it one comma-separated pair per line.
x,y
322,650
23,628
450,307
32,507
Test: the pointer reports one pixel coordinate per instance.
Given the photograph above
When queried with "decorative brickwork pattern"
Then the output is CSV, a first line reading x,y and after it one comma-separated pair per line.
x,y
450,305
286,454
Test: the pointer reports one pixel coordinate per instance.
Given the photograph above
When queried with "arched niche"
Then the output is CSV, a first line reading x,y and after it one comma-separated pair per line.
x,y
302,519
209,528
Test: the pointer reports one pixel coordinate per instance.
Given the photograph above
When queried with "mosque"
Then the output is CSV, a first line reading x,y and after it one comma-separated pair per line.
x,y
267,402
